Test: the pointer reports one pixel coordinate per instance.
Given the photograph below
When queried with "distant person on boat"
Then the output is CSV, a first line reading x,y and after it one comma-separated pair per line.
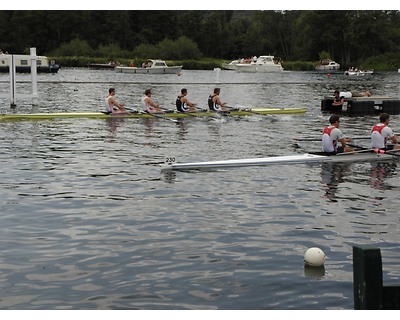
x,y
348,94
183,104
332,135
214,102
381,133
112,106
149,104
337,99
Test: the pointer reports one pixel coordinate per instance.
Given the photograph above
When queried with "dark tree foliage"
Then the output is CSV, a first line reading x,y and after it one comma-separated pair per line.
x,y
348,36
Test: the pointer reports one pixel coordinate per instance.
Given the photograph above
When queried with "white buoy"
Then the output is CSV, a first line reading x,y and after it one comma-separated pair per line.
x,y
314,257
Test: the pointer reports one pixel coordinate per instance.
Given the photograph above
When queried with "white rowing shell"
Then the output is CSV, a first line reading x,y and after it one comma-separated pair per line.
x,y
303,158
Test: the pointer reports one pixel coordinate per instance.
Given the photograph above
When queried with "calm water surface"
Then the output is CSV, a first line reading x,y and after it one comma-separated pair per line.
x,y
89,222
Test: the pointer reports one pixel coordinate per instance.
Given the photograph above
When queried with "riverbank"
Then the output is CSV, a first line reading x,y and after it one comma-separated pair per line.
x,y
387,63
203,64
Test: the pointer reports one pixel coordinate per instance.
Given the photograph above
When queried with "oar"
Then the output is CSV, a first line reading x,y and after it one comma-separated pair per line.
x,y
320,139
116,113
355,151
157,115
152,114
192,113
189,113
131,110
390,152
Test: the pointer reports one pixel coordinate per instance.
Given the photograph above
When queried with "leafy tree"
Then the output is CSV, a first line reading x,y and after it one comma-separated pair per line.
x,y
75,47
349,37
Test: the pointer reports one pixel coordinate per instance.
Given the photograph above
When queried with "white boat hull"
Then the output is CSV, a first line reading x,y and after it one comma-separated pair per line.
x,y
254,68
263,64
231,65
304,158
328,65
358,73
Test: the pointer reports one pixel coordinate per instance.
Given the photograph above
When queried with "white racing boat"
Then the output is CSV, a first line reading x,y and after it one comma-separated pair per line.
x,y
362,155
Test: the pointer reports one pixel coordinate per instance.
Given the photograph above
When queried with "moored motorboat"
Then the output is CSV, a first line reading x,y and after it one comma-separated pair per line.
x,y
358,156
141,114
150,67
261,65
100,66
23,64
231,65
356,72
327,65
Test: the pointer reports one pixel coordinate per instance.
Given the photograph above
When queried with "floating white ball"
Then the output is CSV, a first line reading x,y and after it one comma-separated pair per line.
x,y
314,257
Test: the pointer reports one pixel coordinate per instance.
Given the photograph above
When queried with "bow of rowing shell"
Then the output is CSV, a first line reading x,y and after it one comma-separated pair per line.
x,y
101,115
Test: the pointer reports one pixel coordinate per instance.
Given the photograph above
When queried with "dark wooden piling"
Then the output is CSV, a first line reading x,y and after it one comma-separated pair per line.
x,y
369,292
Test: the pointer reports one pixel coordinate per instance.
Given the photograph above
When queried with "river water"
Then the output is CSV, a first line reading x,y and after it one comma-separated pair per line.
x,y
88,221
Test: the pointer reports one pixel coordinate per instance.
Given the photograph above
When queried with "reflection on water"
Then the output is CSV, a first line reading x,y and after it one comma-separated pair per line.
x,y
331,176
114,124
380,171
314,272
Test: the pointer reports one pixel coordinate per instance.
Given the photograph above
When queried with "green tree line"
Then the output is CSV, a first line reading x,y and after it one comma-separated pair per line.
x,y
349,37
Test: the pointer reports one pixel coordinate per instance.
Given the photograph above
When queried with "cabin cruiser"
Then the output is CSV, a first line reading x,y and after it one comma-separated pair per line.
x,y
261,64
151,67
23,64
328,65
231,65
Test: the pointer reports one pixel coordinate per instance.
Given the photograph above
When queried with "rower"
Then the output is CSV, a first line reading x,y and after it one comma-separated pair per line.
x,y
112,106
332,135
381,133
149,104
183,104
214,102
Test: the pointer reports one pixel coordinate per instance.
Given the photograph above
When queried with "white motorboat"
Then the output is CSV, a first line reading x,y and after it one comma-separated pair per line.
x,y
327,65
231,65
150,67
262,64
358,72
358,156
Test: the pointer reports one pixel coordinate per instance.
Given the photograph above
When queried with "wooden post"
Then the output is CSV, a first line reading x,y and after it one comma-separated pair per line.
x,y
367,277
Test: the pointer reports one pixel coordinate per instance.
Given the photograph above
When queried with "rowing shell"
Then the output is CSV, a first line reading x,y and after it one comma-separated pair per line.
x,y
303,158
101,115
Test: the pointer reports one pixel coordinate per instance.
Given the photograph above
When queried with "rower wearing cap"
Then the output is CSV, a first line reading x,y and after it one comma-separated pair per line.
x,y
332,135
